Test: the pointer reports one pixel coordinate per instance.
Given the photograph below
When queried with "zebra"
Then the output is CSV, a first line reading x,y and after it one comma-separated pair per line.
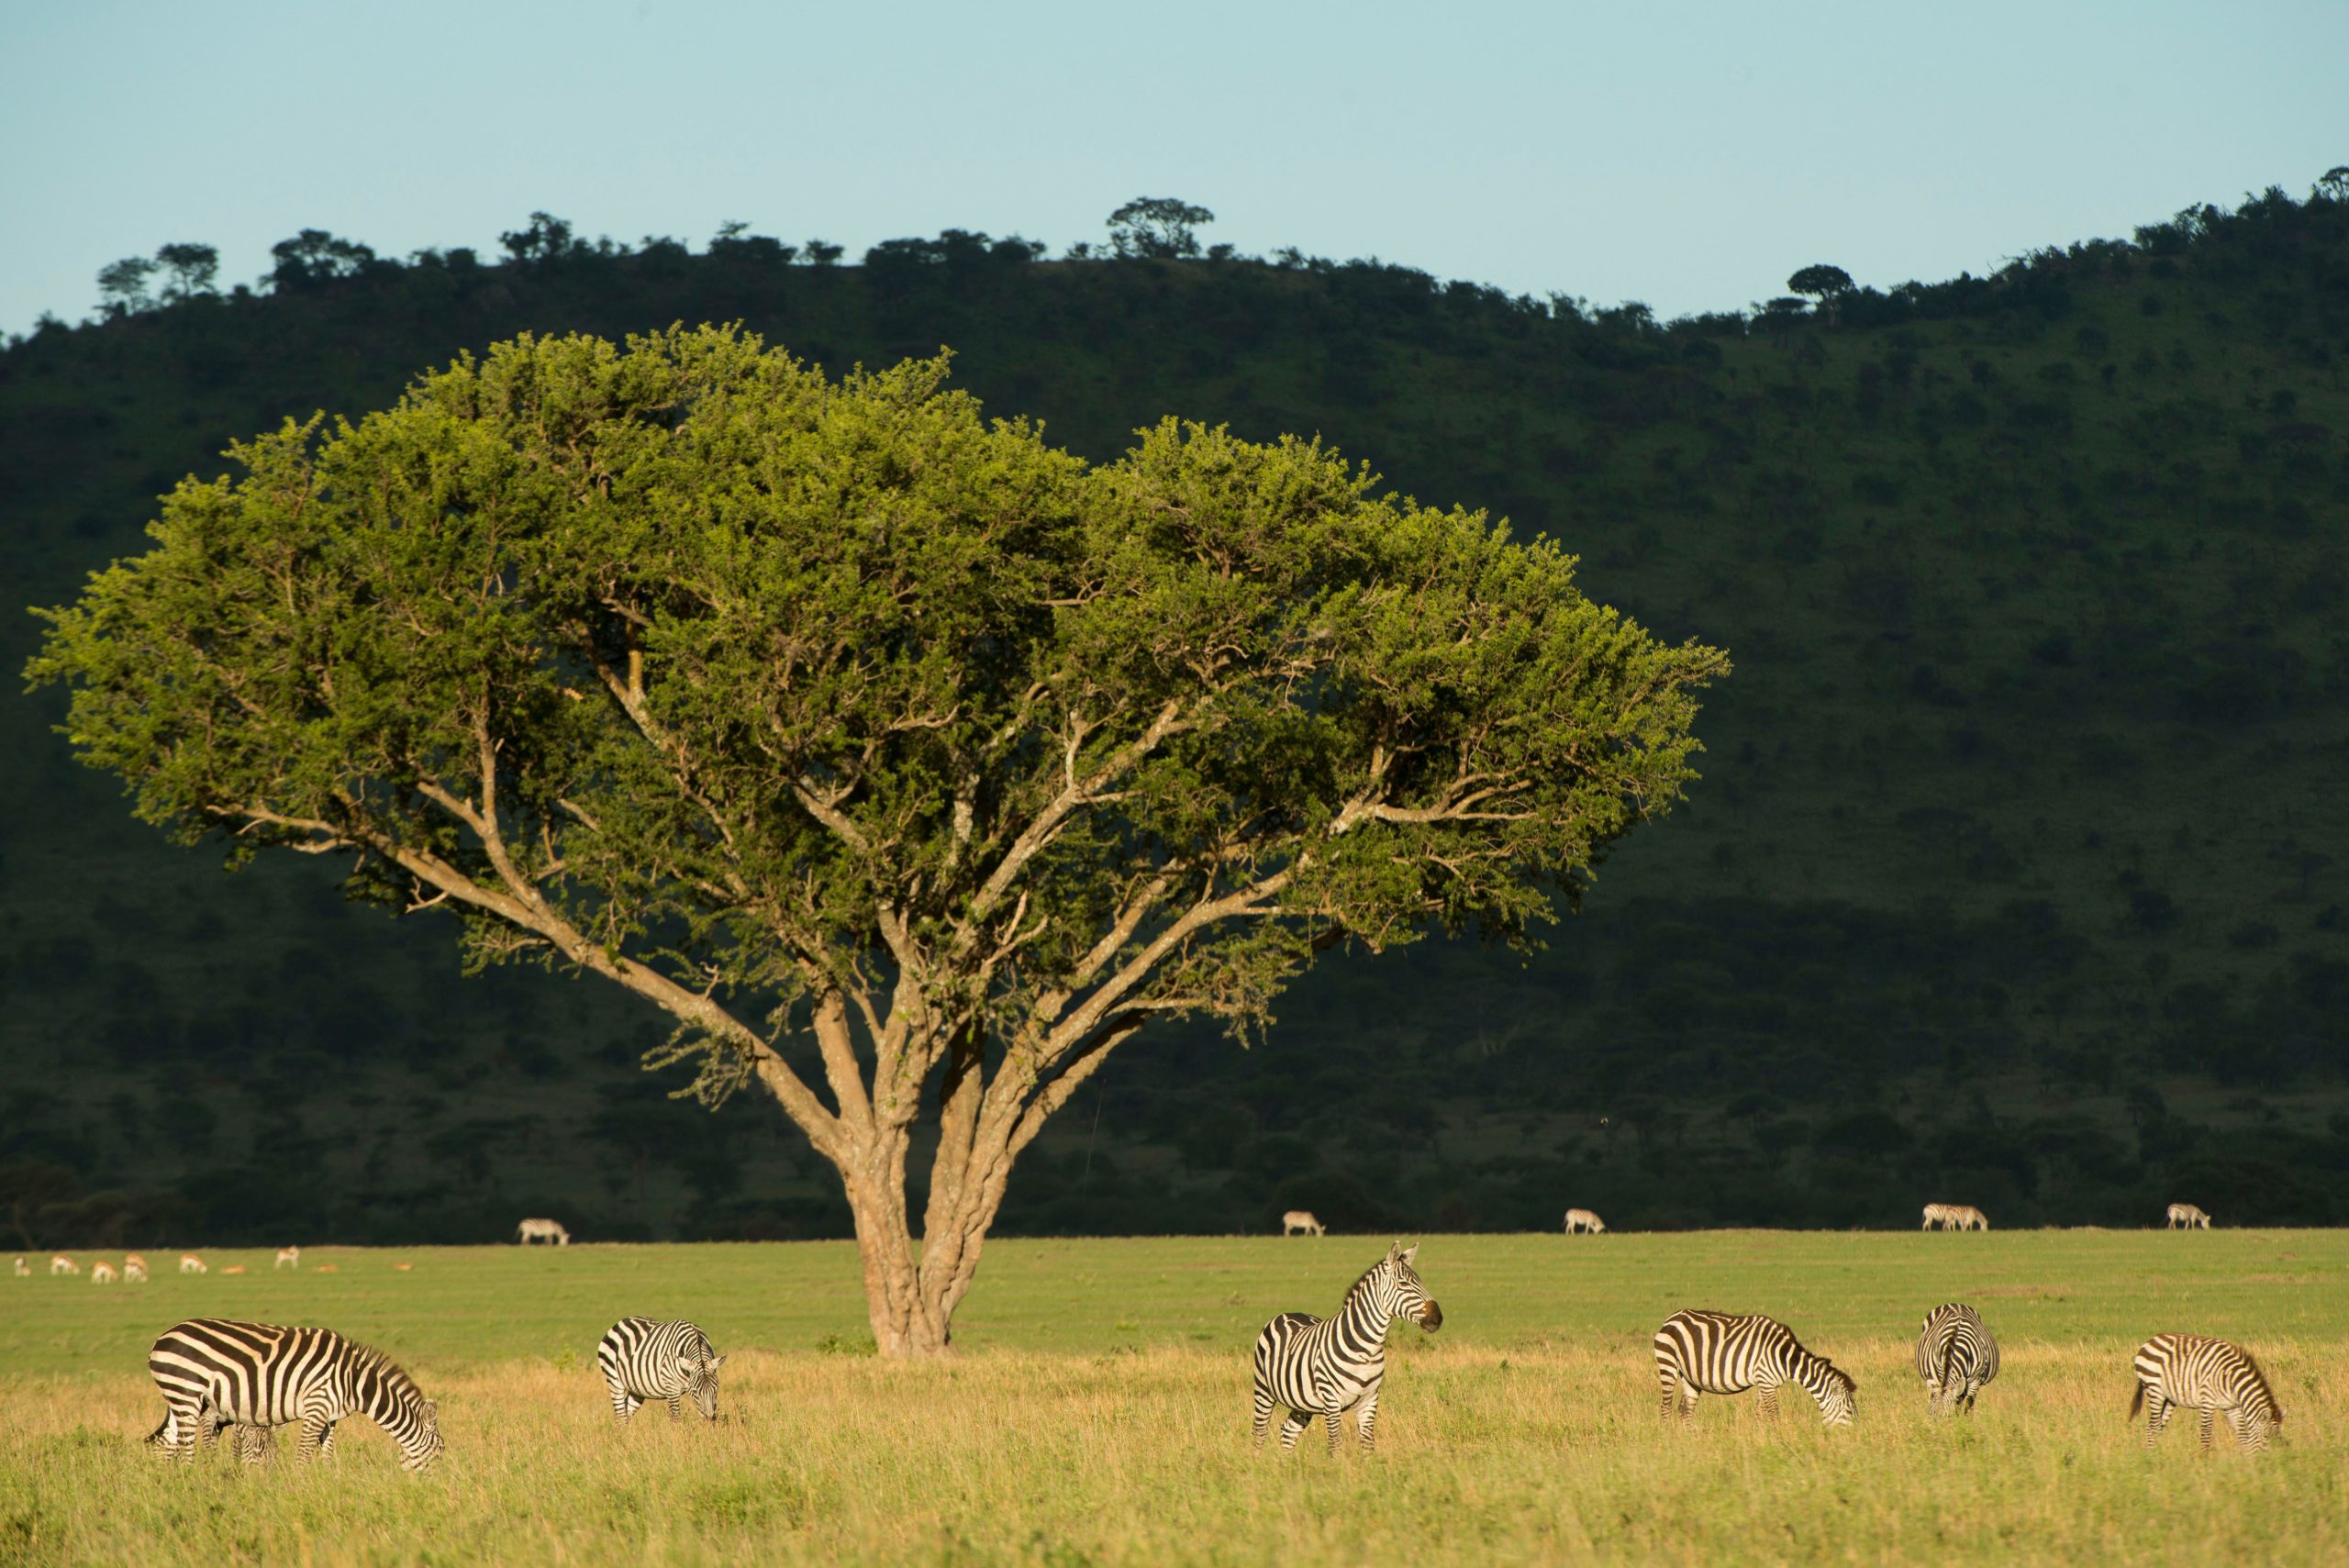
x,y
288,1258
1584,1220
1938,1214
191,1265
2212,1375
1297,1220
1722,1353
546,1231
1969,1217
212,1371
251,1444
1955,1356
644,1359
1327,1366
2186,1214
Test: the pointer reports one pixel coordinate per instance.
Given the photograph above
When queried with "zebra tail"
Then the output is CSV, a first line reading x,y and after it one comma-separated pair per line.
x,y
2136,1402
1949,1364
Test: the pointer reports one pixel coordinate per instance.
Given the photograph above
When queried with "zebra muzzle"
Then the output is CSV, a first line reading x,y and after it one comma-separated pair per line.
x,y
1432,1319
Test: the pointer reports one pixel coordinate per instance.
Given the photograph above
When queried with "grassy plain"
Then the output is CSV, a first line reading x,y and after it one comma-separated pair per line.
x,y
1096,1411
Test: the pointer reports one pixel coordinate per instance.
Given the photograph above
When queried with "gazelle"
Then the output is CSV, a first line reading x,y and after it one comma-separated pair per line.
x,y
1584,1220
24,1269
191,1265
102,1274
1297,1220
289,1258
134,1269
61,1264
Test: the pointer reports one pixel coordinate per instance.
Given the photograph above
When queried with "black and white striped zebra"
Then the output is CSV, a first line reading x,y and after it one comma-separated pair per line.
x,y
1723,1352
644,1359
2210,1375
213,1372
1955,1356
1327,1366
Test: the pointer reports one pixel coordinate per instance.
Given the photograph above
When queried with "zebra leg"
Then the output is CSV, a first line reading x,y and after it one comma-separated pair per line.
x,y
624,1404
1766,1397
251,1444
314,1435
2204,1426
176,1437
1263,1414
1671,1393
1365,1418
676,1408
326,1440
2156,1418
1292,1428
208,1423
1335,1420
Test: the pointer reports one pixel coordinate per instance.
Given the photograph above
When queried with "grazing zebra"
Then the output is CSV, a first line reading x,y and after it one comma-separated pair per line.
x,y
546,1231
102,1274
2186,1214
1938,1214
134,1268
191,1265
1955,1356
1722,1353
1297,1220
2213,1376
289,1258
61,1264
212,1371
642,1360
1584,1220
1327,1366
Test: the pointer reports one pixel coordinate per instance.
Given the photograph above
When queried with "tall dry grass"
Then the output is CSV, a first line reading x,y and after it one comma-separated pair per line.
x,y
1547,1455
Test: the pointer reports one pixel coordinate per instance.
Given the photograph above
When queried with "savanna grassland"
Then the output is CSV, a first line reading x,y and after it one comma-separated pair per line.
x,y
1097,1410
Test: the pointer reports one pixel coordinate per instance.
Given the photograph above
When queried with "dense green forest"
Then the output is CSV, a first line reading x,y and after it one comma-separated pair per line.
x,y
2018,875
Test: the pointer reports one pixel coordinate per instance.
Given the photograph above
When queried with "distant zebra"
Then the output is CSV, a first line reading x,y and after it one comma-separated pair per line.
x,y
1955,1356
2212,1375
191,1265
1722,1353
644,1359
212,1371
1584,1220
1327,1366
61,1264
289,1258
102,1274
2186,1214
1938,1214
1964,1217
546,1230
1297,1220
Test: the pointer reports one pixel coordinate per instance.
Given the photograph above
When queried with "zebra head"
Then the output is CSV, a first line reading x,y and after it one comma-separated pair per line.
x,y
1405,1297
420,1442
698,1367
1838,1398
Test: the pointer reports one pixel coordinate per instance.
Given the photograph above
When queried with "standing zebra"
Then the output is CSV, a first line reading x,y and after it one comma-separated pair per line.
x,y
1722,1353
1327,1366
212,1371
2212,1375
1955,1356
642,1360
2186,1214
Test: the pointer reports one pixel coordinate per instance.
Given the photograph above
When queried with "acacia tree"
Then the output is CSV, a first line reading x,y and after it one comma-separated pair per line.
x,y
879,745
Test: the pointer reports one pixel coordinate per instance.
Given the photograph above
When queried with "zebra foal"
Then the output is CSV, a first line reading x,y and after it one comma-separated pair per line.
x,y
1724,1352
1327,1366
2212,1375
644,1359
214,1372
1955,1356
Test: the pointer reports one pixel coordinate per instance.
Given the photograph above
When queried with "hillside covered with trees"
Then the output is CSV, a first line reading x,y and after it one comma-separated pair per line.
x,y
2017,873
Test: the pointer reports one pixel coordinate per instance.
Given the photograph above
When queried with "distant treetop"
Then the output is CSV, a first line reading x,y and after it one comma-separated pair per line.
x,y
1157,226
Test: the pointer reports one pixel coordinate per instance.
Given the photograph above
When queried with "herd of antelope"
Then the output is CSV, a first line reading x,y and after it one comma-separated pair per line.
x,y
1947,1215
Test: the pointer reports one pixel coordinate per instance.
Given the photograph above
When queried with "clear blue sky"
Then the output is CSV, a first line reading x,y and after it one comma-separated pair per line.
x,y
1690,155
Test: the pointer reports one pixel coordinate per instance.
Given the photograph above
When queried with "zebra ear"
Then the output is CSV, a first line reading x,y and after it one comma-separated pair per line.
x,y
716,1362
1393,1250
1407,1253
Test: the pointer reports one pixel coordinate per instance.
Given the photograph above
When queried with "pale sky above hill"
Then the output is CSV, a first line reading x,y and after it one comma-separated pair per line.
x,y
1687,154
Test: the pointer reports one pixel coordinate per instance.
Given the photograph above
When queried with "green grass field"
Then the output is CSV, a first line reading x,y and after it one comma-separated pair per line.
x,y
1096,1412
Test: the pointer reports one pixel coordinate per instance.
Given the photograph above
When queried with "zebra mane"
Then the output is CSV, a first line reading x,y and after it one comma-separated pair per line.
x,y
1356,1288
2275,1405
395,1380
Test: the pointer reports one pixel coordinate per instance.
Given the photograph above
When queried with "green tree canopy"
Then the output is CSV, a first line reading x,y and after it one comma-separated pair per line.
x,y
1157,226
885,748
